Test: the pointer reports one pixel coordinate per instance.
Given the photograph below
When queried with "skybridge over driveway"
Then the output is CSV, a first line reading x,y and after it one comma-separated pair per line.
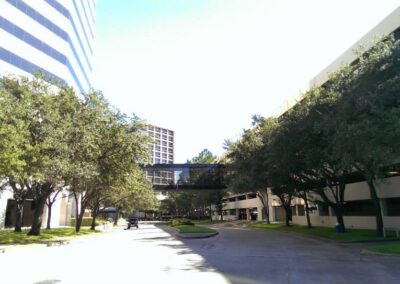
x,y
174,177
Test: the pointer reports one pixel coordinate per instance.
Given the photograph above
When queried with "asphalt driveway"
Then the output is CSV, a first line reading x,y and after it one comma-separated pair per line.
x,y
237,255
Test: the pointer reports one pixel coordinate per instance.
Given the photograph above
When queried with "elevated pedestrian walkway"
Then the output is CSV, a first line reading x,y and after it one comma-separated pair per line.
x,y
173,177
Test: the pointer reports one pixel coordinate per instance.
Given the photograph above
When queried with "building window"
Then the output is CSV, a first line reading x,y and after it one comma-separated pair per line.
x,y
232,212
392,206
396,33
251,195
323,209
300,210
359,208
232,199
241,197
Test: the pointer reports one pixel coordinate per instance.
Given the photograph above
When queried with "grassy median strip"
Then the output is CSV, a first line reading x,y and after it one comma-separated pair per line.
x,y
387,249
183,229
11,237
206,222
351,235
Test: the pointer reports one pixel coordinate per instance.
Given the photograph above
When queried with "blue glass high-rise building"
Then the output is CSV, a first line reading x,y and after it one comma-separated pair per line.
x,y
54,37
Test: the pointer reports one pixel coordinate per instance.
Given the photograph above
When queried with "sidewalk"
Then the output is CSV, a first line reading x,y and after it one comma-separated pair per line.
x,y
145,255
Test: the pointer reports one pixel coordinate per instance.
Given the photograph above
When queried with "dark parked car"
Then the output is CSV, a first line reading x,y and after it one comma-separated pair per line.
x,y
133,222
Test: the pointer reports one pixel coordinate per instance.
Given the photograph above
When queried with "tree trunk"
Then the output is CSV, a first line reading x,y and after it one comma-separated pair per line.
x,y
338,207
49,206
265,203
288,213
307,210
117,217
79,218
93,226
339,217
37,217
19,211
267,207
377,207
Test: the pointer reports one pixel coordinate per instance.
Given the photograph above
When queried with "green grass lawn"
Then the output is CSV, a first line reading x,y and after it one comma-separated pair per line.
x,y
194,229
11,237
194,221
351,235
388,249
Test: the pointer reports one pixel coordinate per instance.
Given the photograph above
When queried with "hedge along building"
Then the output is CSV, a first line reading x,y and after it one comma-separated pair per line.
x,y
359,206
55,38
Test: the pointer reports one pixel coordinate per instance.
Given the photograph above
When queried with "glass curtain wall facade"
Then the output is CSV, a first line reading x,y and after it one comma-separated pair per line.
x,y
54,37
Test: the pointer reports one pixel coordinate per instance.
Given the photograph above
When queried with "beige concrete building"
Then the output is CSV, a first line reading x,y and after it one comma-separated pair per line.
x,y
359,206
162,145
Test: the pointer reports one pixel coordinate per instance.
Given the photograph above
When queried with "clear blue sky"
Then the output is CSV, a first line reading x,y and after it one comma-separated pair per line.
x,y
203,67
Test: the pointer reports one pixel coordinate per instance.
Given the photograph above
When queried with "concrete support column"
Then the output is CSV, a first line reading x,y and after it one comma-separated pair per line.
x,y
4,196
331,212
248,217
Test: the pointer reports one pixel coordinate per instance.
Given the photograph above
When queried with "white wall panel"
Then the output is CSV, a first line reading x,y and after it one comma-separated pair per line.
x,y
49,12
4,196
33,27
8,69
32,54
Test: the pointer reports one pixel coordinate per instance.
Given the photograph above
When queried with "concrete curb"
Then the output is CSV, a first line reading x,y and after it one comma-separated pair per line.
x,y
366,251
196,235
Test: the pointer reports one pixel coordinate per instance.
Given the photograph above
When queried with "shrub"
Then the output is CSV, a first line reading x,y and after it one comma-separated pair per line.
x,y
87,221
180,221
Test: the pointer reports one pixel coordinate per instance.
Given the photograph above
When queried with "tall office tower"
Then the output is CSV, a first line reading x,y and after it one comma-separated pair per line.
x,y
54,37
162,147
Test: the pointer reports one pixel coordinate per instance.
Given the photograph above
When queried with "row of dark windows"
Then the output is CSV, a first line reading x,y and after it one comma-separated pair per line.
x,y
240,197
355,208
87,19
32,13
25,65
39,45
80,20
65,12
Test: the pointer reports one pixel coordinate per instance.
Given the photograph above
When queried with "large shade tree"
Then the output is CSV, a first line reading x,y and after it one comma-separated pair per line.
x,y
349,125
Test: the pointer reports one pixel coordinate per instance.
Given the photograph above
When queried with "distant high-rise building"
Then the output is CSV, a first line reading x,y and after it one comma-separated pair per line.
x,y
162,146
48,36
